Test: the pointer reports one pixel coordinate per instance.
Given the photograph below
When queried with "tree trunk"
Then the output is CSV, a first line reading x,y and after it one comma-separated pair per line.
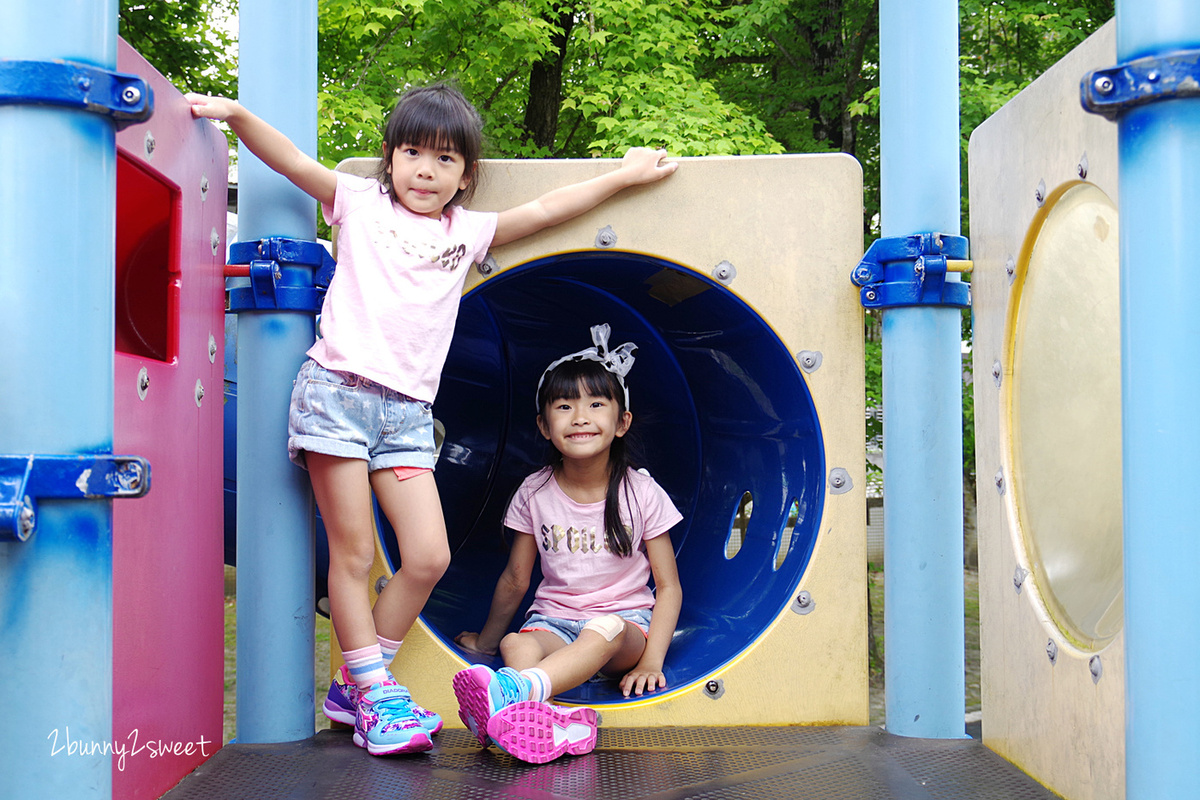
x,y
545,86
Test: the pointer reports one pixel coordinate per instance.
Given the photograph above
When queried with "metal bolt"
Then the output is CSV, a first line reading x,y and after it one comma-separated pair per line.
x,y
606,237
143,383
1052,651
810,360
862,274
278,273
714,689
1103,85
203,188
1153,76
129,476
871,294
997,373
148,144
84,82
839,481
380,583
212,349
214,241
1010,267
999,479
937,241
804,603
1019,576
1096,668
131,95
199,392
1082,167
27,519
724,272
488,266
1040,194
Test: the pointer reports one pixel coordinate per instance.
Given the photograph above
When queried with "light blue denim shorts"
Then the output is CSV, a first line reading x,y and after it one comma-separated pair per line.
x,y
569,629
347,415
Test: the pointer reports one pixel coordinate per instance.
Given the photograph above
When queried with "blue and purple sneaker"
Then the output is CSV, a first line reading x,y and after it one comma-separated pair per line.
x,y
341,703
385,725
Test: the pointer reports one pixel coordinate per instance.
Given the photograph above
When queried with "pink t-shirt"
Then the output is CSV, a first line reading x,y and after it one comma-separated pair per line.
x,y
390,311
581,578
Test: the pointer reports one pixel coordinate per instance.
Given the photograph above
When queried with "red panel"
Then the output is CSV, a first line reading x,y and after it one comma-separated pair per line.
x,y
168,607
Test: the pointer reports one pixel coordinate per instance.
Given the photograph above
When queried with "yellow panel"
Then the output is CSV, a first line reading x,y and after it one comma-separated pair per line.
x,y
792,228
1055,720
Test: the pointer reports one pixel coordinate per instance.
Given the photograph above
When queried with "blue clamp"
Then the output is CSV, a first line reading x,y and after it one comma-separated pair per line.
x,y
1113,91
282,275
26,479
911,271
126,99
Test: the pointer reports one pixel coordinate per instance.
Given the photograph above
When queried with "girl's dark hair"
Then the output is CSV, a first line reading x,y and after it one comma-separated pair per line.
x,y
568,381
439,116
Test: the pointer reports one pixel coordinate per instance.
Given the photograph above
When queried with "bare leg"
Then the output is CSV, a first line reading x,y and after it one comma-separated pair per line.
x,y
343,494
569,665
415,512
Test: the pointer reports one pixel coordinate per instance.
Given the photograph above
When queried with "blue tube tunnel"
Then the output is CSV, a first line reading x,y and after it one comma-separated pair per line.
x,y
724,420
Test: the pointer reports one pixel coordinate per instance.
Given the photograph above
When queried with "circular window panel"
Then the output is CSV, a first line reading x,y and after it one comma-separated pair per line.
x,y
1065,411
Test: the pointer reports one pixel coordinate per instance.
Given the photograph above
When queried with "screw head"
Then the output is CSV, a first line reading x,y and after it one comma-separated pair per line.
x,y
1103,85
131,95
1153,76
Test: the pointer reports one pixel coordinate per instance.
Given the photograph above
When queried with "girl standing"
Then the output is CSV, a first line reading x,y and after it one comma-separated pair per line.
x,y
360,415
601,530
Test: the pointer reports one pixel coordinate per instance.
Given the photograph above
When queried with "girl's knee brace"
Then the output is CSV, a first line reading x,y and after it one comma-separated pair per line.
x,y
609,626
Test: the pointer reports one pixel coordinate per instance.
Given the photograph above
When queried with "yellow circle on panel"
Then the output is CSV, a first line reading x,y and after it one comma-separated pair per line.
x,y
1065,411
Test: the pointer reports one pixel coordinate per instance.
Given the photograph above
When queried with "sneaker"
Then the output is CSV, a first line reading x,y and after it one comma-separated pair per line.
x,y
385,724
539,732
482,692
341,703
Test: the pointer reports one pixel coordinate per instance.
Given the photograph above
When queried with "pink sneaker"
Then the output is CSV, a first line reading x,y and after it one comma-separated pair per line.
x,y
539,732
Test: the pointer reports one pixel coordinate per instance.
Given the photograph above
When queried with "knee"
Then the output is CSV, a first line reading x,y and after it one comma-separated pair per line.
x,y
427,568
512,647
353,561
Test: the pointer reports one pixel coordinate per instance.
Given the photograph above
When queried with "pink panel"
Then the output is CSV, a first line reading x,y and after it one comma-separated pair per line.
x,y
168,605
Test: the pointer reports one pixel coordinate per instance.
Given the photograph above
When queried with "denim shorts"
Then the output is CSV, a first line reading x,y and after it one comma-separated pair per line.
x,y
347,415
569,629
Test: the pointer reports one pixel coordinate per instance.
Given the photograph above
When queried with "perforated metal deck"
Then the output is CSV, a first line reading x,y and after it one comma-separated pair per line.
x,y
664,764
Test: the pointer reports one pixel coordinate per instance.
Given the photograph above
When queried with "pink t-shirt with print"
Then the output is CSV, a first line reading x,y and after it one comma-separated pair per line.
x,y
581,578
390,311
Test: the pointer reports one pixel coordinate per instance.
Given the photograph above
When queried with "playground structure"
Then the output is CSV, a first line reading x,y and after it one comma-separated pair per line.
x,y
1047,705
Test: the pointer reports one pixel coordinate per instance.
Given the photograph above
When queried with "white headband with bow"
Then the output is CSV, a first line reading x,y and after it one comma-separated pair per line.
x,y
618,361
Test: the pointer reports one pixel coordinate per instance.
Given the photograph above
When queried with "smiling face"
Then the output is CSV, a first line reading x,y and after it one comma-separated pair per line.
x,y
583,428
425,179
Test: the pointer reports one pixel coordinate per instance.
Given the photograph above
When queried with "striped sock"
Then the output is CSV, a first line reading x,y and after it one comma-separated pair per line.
x,y
388,648
540,684
366,666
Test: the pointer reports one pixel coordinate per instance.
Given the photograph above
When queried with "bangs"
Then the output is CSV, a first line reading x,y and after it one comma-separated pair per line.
x,y
571,379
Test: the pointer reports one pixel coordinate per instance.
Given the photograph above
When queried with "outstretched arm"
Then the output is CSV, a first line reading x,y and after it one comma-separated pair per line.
x,y
648,674
640,165
510,590
272,147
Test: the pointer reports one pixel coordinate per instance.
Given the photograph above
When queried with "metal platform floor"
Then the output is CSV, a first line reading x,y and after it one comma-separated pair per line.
x,y
665,764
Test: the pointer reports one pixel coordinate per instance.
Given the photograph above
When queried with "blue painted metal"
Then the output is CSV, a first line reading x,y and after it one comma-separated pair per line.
x,y
1112,91
719,406
25,480
1159,176
922,378
275,544
58,183
911,271
126,99
282,275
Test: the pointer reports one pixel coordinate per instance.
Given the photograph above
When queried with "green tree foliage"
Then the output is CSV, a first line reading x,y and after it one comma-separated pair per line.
x,y
188,41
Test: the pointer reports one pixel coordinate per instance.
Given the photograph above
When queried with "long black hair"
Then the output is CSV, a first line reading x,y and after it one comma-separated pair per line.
x,y
568,381
438,116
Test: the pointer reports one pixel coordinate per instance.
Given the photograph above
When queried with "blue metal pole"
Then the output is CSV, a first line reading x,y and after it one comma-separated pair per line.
x,y
1159,150
922,379
58,225
275,546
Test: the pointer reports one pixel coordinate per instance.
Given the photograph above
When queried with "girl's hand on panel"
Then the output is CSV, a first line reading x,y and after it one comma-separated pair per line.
x,y
639,680
470,641
219,108
644,165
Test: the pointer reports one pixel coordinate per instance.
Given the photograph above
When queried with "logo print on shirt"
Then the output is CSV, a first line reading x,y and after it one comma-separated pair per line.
x,y
431,250
574,540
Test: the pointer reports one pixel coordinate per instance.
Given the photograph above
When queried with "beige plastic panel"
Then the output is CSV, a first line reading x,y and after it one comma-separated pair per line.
x,y
792,228
1047,399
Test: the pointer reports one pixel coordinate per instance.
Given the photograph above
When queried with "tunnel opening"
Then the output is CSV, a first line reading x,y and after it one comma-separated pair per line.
x,y
721,410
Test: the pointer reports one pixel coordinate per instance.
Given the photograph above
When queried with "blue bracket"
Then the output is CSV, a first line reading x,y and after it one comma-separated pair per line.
x,y
911,271
281,275
26,479
1113,91
126,99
